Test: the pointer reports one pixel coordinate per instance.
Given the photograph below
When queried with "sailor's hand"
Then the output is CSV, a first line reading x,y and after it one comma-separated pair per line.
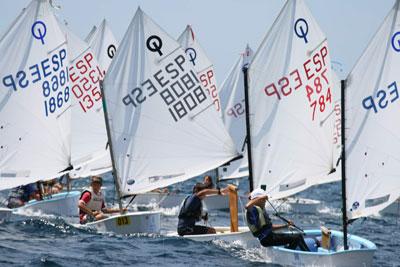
x,y
95,213
123,210
225,191
205,216
290,223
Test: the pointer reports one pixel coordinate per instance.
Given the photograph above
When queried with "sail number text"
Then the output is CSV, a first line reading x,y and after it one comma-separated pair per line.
x,y
312,78
207,79
178,87
85,76
52,74
382,98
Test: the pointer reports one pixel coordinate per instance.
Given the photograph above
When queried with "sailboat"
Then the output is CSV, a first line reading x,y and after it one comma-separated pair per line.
x,y
232,100
89,150
35,112
162,125
371,123
103,45
289,122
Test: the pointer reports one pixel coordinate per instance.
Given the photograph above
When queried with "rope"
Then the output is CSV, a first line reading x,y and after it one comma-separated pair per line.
x,y
284,219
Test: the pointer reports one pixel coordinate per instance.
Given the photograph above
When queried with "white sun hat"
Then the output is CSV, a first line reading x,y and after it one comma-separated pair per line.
x,y
257,193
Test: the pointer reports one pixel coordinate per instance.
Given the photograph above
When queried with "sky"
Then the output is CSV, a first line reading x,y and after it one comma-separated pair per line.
x,y
224,27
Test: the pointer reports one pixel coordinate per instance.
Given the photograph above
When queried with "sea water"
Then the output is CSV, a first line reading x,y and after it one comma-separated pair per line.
x,y
50,241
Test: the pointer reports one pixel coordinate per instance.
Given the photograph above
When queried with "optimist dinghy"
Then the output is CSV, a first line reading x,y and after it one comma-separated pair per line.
x,y
161,125
289,93
239,235
35,113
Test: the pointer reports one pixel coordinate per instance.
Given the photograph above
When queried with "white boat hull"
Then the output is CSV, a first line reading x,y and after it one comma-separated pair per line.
x,y
129,223
62,204
361,253
243,238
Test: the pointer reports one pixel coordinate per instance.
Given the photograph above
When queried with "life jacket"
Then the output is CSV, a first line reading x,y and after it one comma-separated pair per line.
x,y
17,193
264,222
185,213
96,200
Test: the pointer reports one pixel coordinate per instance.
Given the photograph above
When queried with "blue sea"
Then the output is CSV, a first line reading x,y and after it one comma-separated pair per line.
x,y
50,241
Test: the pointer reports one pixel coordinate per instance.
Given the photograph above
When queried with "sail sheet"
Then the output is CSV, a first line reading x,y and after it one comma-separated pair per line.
x,y
291,104
35,98
104,45
89,153
163,125
234,115
201,64
372,128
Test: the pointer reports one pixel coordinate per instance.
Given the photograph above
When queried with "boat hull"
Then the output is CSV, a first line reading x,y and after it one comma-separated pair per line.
x,y
361,253
243,238
130,223
62,204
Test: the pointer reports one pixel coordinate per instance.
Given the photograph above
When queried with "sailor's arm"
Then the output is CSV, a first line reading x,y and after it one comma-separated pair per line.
x,y
280,226
113,210
205,192
85,209
256,201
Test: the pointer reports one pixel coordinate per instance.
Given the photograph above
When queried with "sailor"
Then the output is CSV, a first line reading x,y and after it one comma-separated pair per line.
x,y
261,226
21,195
91,203
192,211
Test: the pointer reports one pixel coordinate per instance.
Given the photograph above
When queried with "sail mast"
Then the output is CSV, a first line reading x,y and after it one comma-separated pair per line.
x,y
343,139
114,170
248,139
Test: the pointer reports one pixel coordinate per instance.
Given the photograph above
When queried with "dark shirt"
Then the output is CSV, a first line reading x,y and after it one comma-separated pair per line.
x,y
252,217
190,211
23,193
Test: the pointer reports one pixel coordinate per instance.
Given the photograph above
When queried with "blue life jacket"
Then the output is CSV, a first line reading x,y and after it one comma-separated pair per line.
x,y
190,211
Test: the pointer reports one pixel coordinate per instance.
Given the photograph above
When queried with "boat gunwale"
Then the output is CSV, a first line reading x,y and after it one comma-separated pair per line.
x,y
370,246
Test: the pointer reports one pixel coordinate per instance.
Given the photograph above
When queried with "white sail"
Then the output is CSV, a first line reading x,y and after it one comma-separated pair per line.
x,y
336,175
104,45
234,115
89,153
89,37
372,128
201,63
291,104
35,98
164,127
